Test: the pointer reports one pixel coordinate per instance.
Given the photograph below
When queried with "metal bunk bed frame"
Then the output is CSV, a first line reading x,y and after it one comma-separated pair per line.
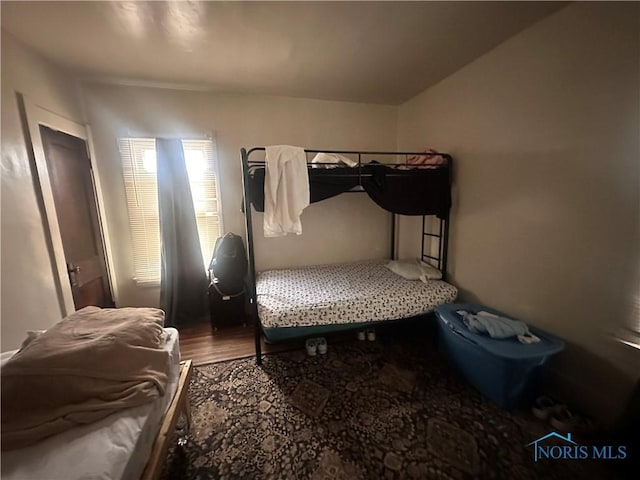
x,y
442,234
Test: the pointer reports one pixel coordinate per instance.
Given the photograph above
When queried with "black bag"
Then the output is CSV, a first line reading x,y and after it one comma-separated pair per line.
x,y
228,266
227,311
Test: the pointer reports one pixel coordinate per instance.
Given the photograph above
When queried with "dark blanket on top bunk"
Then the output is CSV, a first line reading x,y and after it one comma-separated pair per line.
x,y
410,192
417,191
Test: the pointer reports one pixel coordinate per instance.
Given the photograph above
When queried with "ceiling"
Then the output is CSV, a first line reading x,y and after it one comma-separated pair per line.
x,y
375,52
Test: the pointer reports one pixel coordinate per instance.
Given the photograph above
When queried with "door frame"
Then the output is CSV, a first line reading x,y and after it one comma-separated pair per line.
x,y
35,117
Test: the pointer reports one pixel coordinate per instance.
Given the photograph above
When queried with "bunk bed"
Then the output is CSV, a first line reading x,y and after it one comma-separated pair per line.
x,y
308,301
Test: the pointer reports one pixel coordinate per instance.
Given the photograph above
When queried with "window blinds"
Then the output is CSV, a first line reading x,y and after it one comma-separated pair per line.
x,y
138,157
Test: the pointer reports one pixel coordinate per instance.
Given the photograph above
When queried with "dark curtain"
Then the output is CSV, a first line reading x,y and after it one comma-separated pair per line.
x,y
183,285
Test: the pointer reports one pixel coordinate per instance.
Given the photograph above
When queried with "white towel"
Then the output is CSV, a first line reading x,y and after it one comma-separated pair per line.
x,y
286,190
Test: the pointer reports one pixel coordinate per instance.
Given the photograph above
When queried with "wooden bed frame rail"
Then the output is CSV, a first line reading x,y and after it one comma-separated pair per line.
x,y
179,405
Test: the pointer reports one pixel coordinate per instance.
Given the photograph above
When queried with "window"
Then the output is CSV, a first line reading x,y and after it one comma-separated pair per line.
x,y
139,170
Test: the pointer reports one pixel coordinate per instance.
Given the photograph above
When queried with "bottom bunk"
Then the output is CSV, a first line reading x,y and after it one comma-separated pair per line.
x,y
317,300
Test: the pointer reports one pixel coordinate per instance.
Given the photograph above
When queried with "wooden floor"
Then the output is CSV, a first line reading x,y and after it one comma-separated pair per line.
x,y
202,345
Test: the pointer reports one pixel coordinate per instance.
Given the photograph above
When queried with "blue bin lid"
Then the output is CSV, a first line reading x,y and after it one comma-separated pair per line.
x,y
507,347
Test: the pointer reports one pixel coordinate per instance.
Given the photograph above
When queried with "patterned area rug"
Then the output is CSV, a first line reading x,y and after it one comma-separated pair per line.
x,y
363,411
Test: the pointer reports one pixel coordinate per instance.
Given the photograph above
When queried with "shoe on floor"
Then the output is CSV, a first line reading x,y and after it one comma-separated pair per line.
x,y
566,421
545,406
312,346
371,335
322,345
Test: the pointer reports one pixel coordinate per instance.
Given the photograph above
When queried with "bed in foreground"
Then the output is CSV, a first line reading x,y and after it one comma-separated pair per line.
x,y
129,443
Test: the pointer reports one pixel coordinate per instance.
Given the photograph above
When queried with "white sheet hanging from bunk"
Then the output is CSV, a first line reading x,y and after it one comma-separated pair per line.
x,y
286,190
344,293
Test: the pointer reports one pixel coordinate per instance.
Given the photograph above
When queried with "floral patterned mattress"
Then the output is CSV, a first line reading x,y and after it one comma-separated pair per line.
x,y
344,293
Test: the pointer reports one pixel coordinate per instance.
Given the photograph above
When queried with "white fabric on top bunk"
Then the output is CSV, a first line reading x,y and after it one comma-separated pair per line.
x,y
344,293
332,160
114,448
286,190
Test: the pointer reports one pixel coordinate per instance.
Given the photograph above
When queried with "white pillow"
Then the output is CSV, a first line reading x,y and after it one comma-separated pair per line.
x,y
430,272
414,270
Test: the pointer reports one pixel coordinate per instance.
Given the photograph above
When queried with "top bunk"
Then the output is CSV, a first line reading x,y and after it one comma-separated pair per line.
x,y
405,183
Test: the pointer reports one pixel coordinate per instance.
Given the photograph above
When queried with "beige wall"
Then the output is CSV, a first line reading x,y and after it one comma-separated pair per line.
x,y
28,294
349,227
545,133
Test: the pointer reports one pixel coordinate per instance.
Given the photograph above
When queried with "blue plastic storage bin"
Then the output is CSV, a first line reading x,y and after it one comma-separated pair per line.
x,y
502,369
